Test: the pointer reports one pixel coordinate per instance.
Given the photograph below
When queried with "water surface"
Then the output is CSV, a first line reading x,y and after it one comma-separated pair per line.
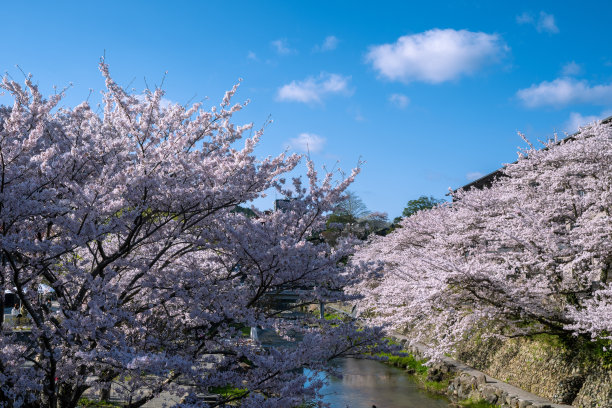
x,y
365,383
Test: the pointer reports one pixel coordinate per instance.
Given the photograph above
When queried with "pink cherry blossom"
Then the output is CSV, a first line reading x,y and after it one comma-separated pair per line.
x,y
128,214
532,253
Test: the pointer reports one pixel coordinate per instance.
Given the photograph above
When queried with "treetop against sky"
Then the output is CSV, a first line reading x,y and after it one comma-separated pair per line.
x,y
430,94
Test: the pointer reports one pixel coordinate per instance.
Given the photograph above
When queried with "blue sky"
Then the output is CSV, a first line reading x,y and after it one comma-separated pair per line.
x,y
428,94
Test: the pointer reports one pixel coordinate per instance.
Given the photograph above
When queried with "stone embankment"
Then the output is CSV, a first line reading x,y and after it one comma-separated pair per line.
x,y
470,383
544,373
578,374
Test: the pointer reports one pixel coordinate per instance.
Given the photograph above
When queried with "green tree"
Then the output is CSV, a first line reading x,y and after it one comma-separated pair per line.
x,y
344,218
421,203
352,207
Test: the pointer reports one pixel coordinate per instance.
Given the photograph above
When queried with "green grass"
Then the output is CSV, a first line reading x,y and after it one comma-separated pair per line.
x,y
227,391
391,341
406,361
469,403
245,331
88,403
600,352
333,316
594,352
419,372
435,387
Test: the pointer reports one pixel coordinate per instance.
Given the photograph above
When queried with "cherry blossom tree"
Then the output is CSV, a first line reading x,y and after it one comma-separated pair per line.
x,y
127,214
530,254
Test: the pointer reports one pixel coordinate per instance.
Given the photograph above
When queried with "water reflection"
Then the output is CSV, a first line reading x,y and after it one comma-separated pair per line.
x,y
365,383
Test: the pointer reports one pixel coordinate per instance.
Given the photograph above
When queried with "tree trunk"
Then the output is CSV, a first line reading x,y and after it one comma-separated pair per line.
x,y
105,392
2,307
48,394
69,395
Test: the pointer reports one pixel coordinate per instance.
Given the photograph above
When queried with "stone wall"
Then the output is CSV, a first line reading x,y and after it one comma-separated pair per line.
x,y
469,383
545,367
596,391
480,387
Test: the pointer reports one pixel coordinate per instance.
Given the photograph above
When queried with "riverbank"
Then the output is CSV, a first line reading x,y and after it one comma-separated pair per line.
x,y
538,371
572,371
461,382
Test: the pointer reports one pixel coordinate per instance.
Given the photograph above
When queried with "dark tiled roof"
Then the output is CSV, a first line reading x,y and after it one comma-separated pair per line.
x,y
488,179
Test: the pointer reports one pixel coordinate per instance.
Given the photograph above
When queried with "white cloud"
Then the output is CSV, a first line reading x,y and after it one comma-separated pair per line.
x,y
307,142
281,46
329,44
571,68
474,175
314,89
435,56
544,23
576,120
252,56
564,91
399,100
525,18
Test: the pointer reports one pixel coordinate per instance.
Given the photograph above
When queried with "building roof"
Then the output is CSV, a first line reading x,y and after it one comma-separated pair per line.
x,y
488,179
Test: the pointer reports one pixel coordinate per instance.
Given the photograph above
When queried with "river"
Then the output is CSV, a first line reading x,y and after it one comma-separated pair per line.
x,y
365,383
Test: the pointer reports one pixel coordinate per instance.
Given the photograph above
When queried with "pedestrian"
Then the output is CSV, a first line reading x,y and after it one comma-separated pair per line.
x,y
15,310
